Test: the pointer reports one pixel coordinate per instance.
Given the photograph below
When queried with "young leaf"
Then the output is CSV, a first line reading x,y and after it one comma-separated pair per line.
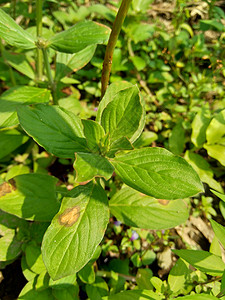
x,y
219,232
128,205
202,260
177,139
157,172
90,165
57,130
111,92
199,126
124,116
202,167
76,231
10,140
17,96
68,63
216,151
31,197
94,134
216,128
80,36
13,34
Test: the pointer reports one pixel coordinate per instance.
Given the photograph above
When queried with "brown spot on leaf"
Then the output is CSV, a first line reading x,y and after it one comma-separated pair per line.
x,y
163,201
69,216
6,188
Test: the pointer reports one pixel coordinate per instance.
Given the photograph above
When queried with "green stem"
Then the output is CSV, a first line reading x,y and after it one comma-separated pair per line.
x,y
39,65
117,25
103,273
49,75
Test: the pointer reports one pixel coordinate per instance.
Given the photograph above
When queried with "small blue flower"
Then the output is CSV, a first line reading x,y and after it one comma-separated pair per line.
x,y
134,235
117,223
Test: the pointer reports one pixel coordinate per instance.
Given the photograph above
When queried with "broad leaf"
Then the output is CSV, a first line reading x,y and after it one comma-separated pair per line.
x,y
199,126
216,151
202,167
17,96
90,165
177,139
80,36
68,63
135,295
30,196
75,231
13,34
128,205
10,247
178,276
124,116
157,172
111,92
20,63
202,260
97,290
10,140
219,232
57,130
94,134
34,258
216,128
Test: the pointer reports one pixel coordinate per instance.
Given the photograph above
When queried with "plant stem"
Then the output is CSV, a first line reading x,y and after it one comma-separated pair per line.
x,y
117,25
49,75
39,65
103,273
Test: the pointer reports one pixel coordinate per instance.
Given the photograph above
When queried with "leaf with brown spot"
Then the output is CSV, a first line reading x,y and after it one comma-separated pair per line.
x,y
69,216
85,215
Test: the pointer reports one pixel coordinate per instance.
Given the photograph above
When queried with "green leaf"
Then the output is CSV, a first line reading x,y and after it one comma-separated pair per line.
x,y
128,205
87,274
216,151
124,116
202,260
134,295
177,139
97,290
111,92
10,247
10,140
13,34
219,232
20,63
202,167
68,63
216,128
94,134
138,62
145,139
157,172
199,126
89,165
198,297
221,196
80,36
31,197
178,275
143,279
34,258
75,231
29,293
17,96
57,130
